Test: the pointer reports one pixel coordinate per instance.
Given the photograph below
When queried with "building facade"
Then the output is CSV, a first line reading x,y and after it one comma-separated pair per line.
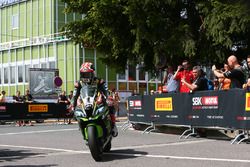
x,y
31,38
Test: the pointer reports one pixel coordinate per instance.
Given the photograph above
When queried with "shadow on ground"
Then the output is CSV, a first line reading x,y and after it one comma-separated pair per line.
x,y
121,154
7,155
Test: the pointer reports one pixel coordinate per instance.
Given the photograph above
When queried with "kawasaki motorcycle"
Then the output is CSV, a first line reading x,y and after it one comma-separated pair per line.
x,y
94,121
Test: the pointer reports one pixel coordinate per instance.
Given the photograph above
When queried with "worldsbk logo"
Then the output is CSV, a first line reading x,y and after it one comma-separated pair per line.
x,y
208,101
138,103
135,103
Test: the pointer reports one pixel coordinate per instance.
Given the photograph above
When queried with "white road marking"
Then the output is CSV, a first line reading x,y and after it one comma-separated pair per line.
x,y
162,145
66,151
182,158
44,148
42,131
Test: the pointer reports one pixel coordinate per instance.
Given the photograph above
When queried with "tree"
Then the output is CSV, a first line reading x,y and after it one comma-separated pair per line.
x,y
160,32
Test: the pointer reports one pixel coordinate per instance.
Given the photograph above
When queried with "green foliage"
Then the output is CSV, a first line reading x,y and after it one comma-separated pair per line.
x,y
160,32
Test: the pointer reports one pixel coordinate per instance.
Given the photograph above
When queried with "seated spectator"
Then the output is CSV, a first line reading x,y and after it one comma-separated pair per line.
x,y
199,83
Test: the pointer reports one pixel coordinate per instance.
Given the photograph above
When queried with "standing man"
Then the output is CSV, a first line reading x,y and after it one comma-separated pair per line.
x,y
199,83
236,73
183,73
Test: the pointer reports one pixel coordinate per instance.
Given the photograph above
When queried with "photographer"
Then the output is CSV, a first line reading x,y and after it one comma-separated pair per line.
x,y
235,73
183,73
246,67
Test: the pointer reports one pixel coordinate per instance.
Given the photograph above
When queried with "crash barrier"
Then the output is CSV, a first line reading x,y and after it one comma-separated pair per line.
x,y
221,109
17,111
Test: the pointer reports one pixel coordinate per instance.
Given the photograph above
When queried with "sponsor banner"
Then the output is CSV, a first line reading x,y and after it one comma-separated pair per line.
x,y
135,104
247,101
38,108
206,102
2,108
163,104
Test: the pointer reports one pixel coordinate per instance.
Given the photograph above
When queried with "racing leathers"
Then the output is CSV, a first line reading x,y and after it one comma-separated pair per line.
x,y
101,88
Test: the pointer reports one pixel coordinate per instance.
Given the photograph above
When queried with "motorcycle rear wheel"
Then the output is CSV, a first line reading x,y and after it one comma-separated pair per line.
x,y
94,144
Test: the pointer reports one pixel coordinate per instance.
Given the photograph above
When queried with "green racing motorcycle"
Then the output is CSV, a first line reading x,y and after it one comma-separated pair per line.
x,y
94,121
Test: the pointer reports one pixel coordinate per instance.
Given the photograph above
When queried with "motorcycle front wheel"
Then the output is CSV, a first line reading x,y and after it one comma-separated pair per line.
x,y
94,144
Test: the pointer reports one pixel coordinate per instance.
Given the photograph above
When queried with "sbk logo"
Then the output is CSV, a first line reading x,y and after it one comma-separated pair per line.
x,y
131,103
208,101
197,101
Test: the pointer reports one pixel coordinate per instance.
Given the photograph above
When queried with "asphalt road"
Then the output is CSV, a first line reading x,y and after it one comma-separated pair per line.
x,y
51,145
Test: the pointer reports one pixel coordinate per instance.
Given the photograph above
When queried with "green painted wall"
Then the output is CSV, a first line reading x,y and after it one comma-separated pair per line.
x,y
22,21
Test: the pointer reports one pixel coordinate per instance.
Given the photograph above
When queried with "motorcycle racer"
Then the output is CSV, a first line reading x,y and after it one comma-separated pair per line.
x,y
88,77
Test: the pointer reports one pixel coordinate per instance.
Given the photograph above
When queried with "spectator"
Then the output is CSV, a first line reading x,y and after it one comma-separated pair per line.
x,y
2,97
235,73
224,83
199,83
70,112
27,98
184,73
171,84
247,85
246,67
134,93
116,101
70,96
18,99
216,84
64,100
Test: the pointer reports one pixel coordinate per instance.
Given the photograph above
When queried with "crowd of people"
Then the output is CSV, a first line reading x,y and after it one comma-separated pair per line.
x,y
186,79
26,98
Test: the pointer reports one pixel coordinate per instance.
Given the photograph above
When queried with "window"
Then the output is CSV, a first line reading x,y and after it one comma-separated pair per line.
x,y
14,21
12,74
52,64
35,65
27,73
132,73
6,75
0,76
20,74
43,65
122,76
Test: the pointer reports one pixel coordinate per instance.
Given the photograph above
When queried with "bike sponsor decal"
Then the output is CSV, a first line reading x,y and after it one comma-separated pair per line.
x,y
2,108
38,108
206,102
135,104
163,104
247,101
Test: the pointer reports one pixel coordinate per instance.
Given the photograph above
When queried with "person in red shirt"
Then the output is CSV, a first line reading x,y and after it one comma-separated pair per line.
x,y
183,72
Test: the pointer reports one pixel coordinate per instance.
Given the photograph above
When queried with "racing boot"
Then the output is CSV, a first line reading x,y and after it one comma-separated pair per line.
x,y
114,130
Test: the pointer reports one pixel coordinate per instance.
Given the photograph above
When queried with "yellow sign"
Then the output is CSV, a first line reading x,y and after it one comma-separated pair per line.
x,y
38,108
247,101
163,104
